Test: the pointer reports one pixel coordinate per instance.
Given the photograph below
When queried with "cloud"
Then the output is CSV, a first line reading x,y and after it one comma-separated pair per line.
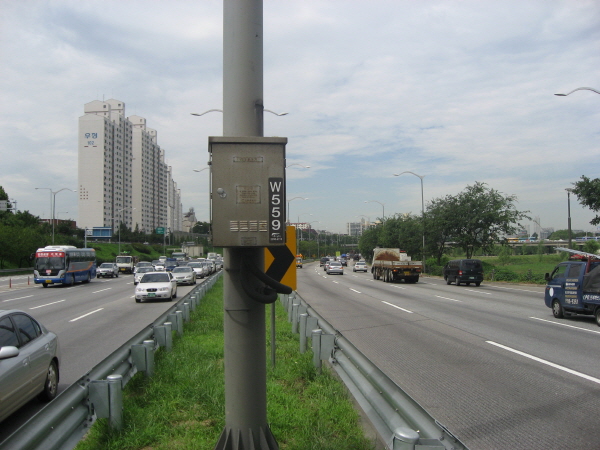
x,y
456,91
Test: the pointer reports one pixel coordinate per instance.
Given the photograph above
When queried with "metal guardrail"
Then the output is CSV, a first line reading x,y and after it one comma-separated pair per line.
x,y
401,422
27,269
98,394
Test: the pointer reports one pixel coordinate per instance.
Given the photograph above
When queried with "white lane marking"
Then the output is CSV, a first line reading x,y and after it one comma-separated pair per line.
x,y
47,304
548,363
565,325
397,307
85,315
451,299
18,298
398,287
358,292
101,290
515,289
478,291
336,282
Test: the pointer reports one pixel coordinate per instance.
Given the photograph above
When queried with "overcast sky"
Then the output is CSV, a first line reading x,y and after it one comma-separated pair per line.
x,y
455,91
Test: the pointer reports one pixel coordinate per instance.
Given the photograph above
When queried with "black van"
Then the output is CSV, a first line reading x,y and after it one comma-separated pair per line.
x,y
463,271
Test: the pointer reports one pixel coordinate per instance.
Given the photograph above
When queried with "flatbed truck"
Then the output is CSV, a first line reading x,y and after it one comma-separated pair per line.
x,y
393,264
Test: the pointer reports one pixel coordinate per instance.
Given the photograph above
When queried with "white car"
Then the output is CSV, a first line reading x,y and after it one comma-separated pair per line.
x,y
142,264
197,267
139,273
107,270
360,266
184,275
156,285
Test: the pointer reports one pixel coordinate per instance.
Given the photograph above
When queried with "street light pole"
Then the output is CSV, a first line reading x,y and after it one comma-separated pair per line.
x,y
422,207
53,205
382,207
569,213
288,206
119,214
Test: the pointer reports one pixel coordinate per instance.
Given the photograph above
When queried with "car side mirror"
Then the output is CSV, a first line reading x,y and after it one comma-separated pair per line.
x,y
547,277
8,352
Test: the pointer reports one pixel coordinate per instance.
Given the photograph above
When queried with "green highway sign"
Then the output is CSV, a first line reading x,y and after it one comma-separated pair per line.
x,y
160,230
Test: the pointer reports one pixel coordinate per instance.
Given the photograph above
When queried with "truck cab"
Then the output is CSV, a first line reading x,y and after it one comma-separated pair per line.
x,y
573,287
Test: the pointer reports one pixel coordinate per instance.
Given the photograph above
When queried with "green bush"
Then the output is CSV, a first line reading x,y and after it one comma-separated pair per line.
x,y
142,248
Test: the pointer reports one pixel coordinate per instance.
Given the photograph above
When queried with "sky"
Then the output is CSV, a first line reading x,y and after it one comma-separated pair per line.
x,y
457,92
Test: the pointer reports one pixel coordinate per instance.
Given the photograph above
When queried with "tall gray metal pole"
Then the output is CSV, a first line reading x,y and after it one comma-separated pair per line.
x,y
246,424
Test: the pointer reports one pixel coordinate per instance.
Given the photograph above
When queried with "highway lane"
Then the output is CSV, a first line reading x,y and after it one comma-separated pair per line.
x,y
490,362
91,320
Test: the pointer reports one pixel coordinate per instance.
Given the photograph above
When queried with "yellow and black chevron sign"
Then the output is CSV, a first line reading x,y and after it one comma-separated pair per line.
x,y
280,261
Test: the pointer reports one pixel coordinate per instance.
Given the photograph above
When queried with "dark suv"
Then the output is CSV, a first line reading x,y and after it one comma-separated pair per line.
x,y
323,261
463,271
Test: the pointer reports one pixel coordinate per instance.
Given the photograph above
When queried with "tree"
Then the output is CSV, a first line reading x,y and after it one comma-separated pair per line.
x,y
201,228
587,192
483,215
440,220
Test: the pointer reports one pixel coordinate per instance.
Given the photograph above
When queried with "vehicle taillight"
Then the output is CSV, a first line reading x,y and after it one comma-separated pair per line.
x,y
460,272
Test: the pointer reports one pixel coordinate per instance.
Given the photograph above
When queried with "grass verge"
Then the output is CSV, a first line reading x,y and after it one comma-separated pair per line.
x,y
182,405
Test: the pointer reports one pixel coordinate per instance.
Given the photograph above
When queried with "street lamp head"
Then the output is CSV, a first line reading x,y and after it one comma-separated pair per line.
x,y
206,112
579,89
277,114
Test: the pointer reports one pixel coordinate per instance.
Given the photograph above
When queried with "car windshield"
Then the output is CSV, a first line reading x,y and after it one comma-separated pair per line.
x,y
144,269
106,265
335,264
182,269
194,265
155,278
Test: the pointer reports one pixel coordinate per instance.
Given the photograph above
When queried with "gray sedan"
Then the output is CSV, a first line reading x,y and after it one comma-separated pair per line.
x,y
29,361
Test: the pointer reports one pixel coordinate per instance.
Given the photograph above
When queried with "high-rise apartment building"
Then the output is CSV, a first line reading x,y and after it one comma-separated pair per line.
x,y
123,176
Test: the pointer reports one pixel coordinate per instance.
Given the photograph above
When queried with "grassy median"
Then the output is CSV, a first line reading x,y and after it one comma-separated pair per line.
x,y
182,405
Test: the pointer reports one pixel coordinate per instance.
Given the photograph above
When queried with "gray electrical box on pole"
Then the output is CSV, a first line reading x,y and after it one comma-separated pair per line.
x,y
248,191
244,168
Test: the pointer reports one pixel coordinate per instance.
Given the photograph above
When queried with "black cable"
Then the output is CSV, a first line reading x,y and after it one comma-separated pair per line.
x,y
269,292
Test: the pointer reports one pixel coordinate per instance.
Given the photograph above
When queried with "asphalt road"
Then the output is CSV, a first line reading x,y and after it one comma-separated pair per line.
x,y
490,363
91,320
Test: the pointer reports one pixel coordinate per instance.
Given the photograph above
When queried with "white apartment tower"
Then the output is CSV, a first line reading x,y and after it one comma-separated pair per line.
x,y
123,176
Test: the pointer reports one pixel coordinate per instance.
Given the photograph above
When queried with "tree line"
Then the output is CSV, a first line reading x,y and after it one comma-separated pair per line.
x,y
475,220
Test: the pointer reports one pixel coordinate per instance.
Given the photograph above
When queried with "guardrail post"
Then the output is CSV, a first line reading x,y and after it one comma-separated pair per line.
x,y
179,315
115,401
405,439
295,307
316,347
149,344
186,311
303,320
162,334
176,320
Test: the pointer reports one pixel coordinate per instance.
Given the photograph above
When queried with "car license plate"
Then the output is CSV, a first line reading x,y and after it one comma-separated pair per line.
x,y
48,281
151,294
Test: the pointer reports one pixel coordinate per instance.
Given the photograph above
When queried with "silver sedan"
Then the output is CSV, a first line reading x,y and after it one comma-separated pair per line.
x,y
29,361
156,285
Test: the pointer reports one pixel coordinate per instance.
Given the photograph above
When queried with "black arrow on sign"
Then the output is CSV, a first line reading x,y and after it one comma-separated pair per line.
x,y
283,259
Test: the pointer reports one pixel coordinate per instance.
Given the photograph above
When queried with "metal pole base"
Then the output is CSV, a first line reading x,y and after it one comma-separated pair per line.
x,y
235,440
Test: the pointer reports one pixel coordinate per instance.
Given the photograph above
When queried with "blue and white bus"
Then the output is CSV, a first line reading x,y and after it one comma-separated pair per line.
x,y
64,264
